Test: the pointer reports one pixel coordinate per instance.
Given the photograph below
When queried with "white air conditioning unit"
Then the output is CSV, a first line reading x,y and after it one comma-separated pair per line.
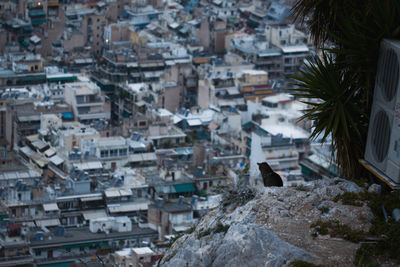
x,y
383,143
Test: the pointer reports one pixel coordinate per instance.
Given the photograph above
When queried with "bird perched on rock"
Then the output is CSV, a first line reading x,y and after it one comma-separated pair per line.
x,y
270,178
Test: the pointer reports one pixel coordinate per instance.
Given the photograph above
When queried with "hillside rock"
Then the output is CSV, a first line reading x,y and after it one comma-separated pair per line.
x,y
242,245
273,229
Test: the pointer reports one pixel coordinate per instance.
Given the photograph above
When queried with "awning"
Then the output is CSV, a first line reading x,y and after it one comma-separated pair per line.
x,y
50,207
153,74
232,91
132,64
194,122
27,151
80,245
29,118
231,102
112,193
92,165
56,160
52,4
127,207
184,188
295,49
38,22
33,137
62,78
174,25
142,157
184,151
49,222
28,224
36,13
49,152
140,103
125,192
33,78
95,198
35,39
39,144
94,214
149,156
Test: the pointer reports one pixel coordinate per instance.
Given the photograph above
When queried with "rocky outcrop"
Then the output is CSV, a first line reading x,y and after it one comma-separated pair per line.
x,y
242,245
273,229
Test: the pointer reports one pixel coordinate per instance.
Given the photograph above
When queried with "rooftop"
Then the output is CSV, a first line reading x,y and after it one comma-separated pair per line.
x,y
278,98
142,251
83,235
16,175
137,87
173,207
113,141
286,129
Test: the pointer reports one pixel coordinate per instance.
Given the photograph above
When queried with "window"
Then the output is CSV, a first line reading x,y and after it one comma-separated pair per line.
x,y
123,152
38,252
114,153
205,186
103,153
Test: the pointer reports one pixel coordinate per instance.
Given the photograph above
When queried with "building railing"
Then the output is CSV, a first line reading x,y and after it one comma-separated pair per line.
x,y
15,258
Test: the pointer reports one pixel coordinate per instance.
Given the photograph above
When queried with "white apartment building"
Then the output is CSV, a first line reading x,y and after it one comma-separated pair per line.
x,y
87,101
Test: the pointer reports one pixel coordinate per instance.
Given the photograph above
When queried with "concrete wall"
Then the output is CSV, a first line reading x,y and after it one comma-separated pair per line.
x,y
203,97
203,34
77,40
181,218
173,98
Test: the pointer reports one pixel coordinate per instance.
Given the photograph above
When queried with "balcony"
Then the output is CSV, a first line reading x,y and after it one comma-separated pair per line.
x,y
94,115
17,260
89,102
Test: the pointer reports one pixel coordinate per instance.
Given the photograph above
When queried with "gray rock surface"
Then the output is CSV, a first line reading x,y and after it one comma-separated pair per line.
x,y
242,245
375,188
274,228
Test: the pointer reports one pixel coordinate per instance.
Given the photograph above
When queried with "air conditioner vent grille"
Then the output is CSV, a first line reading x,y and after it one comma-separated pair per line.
x,y
381,135
388,74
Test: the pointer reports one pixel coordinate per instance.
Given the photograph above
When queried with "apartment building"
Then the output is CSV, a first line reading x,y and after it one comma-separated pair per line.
x,y
87,102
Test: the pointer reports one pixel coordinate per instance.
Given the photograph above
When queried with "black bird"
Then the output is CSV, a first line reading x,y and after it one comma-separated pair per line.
x,y
270,178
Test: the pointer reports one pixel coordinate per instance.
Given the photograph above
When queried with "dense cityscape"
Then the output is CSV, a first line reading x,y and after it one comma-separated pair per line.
x,y
123,122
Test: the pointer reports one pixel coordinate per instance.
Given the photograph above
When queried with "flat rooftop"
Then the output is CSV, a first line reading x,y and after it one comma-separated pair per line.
x,y
83,235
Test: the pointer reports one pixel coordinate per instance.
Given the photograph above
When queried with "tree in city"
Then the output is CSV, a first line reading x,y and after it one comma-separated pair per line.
x,y
338,86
